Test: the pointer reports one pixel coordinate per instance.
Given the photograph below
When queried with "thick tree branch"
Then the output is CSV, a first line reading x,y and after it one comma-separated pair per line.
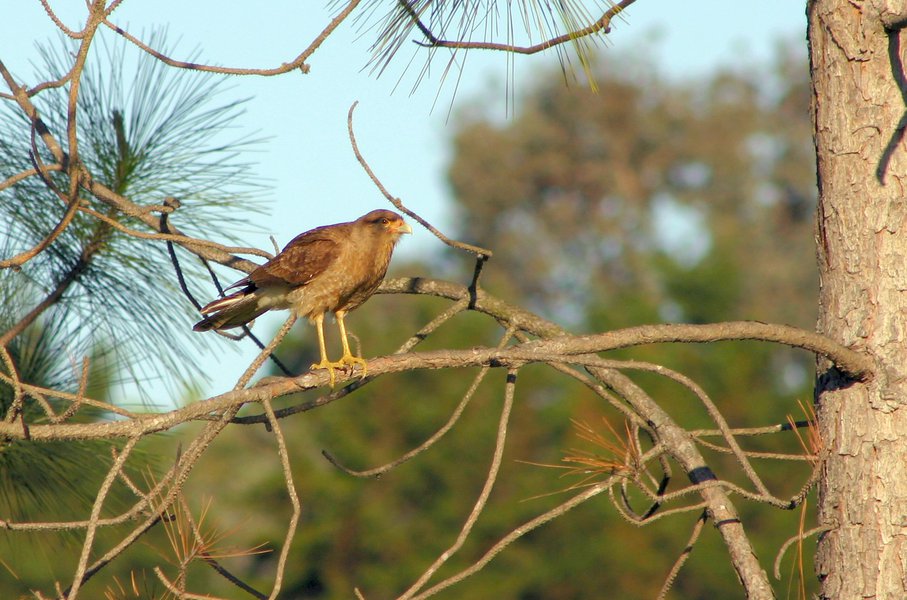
x,y
559,349
859,366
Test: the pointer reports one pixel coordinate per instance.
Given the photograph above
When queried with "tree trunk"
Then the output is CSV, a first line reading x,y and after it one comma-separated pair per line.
x,y
859,108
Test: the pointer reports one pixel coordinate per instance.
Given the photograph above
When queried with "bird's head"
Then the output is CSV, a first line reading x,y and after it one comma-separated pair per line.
x,y
387,222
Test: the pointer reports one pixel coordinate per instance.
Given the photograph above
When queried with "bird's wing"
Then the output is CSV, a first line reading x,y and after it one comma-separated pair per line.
x,y
304,258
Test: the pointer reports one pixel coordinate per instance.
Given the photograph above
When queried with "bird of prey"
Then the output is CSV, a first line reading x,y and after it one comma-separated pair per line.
x,y
333,268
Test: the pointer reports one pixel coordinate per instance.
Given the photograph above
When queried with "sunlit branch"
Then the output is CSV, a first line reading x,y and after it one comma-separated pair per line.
x,y
181,239
602,25
858,365
23,175
297,63
562,349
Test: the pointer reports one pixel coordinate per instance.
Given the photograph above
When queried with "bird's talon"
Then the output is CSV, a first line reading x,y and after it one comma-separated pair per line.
x,y
346,362
352,361
331,367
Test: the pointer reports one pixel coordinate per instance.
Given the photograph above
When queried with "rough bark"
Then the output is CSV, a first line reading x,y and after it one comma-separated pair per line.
x,y
857,56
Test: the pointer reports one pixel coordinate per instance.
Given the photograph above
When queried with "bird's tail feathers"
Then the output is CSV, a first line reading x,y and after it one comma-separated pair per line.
x,y
224,303
231,311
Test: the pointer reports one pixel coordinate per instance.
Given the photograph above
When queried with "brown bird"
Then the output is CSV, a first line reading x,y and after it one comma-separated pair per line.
x,y
333,268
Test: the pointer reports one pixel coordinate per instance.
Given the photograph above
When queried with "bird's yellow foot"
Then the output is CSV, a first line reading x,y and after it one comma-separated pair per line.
x,y
347,360
352,361
330,366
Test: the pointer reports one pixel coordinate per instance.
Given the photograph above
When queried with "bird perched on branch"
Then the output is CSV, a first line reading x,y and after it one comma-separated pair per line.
x,y
333,268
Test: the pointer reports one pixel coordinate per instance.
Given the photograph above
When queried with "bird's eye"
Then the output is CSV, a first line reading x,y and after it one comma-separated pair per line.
x,y
384,221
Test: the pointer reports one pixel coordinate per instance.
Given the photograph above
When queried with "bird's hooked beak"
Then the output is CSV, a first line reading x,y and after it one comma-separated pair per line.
x,y
402,227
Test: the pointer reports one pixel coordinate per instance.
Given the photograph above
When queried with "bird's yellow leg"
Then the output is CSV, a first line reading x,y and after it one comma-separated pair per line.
x,y
348,358
325,363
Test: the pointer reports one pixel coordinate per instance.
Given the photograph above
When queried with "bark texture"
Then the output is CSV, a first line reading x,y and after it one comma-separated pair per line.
x,y
857,57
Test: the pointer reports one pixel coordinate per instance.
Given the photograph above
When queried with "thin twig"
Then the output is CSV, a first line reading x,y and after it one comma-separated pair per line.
x,y
180,593
291,492
101,496
263,355
796,539
752,431
182,239
95,17
644,520
297,63
713,411
483,253
432,326
601,25
23,175
756,454
22,99
483,496
15,407
80,395
514,535
36,391
440,433
59,23
684,555
454,418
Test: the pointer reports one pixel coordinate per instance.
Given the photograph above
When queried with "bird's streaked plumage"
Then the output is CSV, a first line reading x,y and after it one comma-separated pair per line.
x,y
334,268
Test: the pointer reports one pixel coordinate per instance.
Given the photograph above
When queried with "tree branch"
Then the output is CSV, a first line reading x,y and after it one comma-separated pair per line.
x,y
296,63
603,24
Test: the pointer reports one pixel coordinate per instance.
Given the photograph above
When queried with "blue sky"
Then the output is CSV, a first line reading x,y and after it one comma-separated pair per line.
x,y
307,157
